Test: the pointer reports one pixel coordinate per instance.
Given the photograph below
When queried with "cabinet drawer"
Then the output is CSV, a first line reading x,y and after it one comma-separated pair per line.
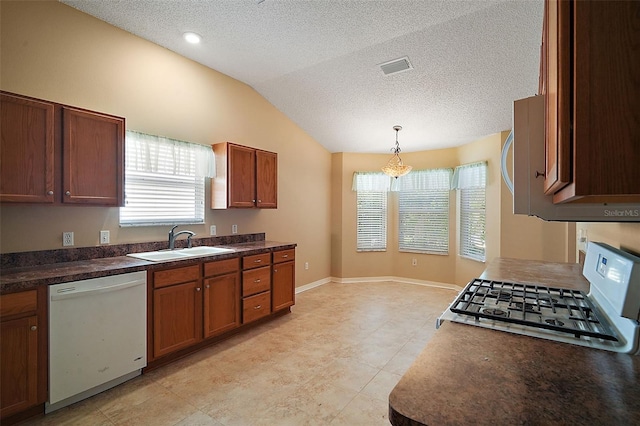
x,y
176,276
284,255
221,267
256,281
18,303
255,261
255,307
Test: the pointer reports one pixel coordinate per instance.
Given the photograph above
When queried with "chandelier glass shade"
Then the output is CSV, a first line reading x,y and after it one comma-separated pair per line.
x,y
395,167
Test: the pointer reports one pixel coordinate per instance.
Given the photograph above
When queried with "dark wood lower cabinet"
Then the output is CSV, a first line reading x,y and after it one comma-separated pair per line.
x,y
284,286
19,360
221,304
23,353
177,317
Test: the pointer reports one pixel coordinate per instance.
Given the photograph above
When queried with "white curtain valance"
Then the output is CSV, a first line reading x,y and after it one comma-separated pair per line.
x,y
468,176
157,154
424,180
371,182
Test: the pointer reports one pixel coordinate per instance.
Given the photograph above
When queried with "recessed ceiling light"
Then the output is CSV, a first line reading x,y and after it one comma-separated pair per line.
x,y
192,38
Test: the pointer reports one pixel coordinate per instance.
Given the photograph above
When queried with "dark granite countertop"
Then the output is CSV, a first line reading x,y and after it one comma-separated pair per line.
x,y
472,375
20,278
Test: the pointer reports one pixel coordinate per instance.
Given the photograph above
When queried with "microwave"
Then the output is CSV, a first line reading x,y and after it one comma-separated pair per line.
x,y
527,138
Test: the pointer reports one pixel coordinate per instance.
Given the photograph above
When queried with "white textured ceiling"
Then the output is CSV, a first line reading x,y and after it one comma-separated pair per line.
x,y
318,61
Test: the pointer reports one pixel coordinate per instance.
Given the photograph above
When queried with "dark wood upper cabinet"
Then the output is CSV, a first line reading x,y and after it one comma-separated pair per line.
x,y
266,179
53,153
93,158
591,64
556,86
27,150
245,177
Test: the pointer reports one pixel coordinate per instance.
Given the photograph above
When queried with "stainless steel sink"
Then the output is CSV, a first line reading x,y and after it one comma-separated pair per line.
x,y
161,255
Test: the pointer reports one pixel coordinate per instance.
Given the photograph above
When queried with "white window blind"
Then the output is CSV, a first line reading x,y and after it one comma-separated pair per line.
x,y
470,180
164,180
423,208
371,195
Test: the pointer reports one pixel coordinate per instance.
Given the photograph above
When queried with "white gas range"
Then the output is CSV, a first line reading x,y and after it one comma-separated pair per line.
x,y
605,318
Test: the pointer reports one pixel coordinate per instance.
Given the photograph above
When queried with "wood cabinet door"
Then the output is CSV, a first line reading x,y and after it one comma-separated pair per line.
x,y
18,365
242,176
266,179
283,291
27,150
177,317
557,86
93,158
606,126
221,304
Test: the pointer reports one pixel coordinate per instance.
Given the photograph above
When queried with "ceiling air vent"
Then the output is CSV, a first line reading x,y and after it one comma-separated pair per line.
x,y
396,66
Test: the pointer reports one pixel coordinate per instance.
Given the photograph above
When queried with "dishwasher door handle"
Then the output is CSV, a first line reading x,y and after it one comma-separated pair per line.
x,y
82,293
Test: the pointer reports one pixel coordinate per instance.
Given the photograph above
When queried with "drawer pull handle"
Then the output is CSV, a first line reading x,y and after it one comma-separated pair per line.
x,y
284,256
257,261
256,281
257,307
34,328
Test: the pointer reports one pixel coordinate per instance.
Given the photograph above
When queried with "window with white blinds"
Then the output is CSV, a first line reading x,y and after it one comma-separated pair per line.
x,y
371,197
470,181
423,209
164,180
372,221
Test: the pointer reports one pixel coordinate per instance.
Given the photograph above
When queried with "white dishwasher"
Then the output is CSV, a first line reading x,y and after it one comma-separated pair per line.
x,y
97,336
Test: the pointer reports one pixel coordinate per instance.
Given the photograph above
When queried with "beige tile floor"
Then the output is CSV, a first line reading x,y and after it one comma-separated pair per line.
x,y
332,361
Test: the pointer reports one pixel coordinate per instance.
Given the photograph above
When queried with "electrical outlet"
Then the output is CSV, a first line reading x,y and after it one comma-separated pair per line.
x,y
414,262
212,230
234,229
67,239
306,265
104,237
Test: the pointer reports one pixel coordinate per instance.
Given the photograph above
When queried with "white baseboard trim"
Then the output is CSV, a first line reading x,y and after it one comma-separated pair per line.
x,y
435,284
312,285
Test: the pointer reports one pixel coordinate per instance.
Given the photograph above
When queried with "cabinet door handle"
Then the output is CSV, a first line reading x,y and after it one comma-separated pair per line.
x,y
253,201
67,193
197,288
34,327
207,286
259,201
257,307
49,192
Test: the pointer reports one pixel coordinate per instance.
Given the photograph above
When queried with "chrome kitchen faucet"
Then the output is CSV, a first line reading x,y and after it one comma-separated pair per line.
x,y
172,237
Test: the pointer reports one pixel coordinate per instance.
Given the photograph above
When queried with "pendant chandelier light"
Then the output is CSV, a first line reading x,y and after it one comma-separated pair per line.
x,y
395,168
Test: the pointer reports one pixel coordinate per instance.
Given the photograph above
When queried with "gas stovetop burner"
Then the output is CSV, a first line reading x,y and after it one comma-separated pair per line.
x,y
495,312
555,309
606,318
529,307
